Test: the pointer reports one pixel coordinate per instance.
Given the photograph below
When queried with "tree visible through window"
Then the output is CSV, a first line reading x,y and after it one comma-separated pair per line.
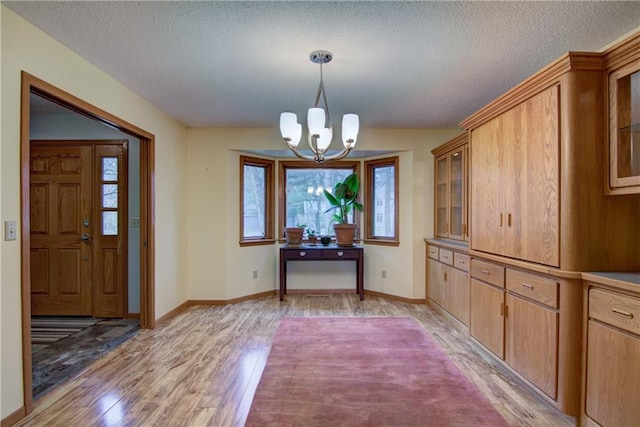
x,y
381,207
256,202
302,184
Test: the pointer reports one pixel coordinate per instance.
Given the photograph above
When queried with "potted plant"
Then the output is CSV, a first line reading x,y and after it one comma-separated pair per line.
x,y
343,200
294,234
313,237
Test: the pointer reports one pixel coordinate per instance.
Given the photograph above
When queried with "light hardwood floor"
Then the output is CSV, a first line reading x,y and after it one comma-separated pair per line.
x,y
202,367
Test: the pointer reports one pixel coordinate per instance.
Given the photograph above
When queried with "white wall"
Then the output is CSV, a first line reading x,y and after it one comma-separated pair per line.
x,y
76,126
24,47
218,268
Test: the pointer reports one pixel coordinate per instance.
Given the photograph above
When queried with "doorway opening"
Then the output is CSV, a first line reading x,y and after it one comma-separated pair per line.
x,y
31,85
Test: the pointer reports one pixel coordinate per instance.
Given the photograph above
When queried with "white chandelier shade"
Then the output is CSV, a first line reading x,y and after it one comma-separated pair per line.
x,y
319,124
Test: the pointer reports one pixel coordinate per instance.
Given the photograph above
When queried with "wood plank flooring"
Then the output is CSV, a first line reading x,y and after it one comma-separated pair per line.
x,y
202,367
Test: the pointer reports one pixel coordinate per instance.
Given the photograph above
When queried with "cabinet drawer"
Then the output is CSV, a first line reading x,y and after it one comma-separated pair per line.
x,y
461,261
537,288
340,254
433,252
615,309
488,272
446,256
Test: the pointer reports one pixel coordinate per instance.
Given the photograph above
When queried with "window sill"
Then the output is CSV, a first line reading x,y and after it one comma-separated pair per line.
x,y
382,242
257,242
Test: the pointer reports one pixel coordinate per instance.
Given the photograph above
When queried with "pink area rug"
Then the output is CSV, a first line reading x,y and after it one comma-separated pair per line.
x,y
351,371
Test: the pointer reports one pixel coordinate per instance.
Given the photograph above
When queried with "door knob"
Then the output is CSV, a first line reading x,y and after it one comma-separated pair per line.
x,y
85,238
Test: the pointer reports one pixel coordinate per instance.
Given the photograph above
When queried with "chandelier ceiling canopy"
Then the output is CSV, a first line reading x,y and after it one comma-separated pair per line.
x,y
319,123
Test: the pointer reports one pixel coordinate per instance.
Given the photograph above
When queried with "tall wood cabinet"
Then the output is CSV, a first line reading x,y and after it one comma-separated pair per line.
x,y
536,174
515,181
451,189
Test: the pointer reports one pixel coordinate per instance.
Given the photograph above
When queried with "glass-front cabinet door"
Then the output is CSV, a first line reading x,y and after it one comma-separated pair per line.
x,y
456,195
450,189
442,196
624,129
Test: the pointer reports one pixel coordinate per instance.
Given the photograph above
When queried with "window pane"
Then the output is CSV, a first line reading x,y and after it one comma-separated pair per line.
x,y
306,202
109,223
384,196
109,168
109,195
254,201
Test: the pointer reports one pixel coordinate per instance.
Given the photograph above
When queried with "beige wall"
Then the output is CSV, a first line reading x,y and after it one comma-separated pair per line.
x,y
26,48
218,268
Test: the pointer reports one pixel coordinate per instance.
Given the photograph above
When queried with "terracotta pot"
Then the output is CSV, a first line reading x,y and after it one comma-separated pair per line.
x,y
313,240
293,235
345,233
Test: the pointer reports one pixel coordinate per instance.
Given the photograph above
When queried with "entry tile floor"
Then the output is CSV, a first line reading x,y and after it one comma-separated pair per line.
x,y
59,362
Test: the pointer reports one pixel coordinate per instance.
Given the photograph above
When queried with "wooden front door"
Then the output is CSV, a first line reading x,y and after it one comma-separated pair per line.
x,y
78,228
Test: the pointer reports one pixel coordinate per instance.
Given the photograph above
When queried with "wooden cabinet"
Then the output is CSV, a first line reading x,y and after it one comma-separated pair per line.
x,y
451,189
611,380
515,181
487,316
448,281
624,120
531,326
529,321
536,172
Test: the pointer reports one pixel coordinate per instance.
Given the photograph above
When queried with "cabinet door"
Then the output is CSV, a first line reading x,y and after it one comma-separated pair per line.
x,y
531,159
457,294
487,199
624,128
487,316
435,286
457,199
442,196
613,377
532,343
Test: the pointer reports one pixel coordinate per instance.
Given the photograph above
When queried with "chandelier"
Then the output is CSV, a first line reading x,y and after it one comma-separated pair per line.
x,y
320,137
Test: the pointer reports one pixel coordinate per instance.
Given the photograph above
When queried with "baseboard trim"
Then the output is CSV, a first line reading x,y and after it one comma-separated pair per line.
x,y
395,297
13,418
179,309
252,296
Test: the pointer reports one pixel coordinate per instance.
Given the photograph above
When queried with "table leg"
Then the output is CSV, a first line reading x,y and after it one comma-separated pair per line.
x,y
283,278
360,278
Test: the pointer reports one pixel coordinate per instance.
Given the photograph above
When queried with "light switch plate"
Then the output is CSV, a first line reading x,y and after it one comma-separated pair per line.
x,y
9,230
135,222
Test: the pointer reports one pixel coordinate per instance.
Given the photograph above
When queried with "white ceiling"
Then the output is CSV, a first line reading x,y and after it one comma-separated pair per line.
x,y
396,64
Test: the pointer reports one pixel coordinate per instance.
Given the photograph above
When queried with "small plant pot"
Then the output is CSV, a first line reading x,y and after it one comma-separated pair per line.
x,y
325,240
345,234
313,240
293,235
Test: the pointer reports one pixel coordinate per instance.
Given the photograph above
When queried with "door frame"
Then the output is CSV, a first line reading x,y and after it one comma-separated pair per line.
x,y
33,84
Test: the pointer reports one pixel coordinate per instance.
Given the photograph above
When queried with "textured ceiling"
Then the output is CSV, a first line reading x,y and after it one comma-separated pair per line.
x,y
396,64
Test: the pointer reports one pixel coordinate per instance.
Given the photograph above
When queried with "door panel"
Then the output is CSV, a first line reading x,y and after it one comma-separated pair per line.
x,y
110,231
60,262
487,316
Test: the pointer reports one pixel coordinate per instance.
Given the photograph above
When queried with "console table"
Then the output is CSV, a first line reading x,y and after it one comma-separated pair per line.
x,y
321,253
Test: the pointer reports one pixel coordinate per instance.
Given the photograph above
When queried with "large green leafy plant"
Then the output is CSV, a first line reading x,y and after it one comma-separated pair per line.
x,y
343,199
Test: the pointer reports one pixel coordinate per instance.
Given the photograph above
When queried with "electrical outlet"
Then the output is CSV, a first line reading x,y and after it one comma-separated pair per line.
x,y
255,274
9,230
384,274
135,222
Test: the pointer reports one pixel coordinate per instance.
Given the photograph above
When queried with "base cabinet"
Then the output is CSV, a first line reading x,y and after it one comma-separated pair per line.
x,y
487,316
611,377
519,316
448,281
532,343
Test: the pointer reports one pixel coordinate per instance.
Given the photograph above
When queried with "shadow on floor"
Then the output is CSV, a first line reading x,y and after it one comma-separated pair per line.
x,y
57,363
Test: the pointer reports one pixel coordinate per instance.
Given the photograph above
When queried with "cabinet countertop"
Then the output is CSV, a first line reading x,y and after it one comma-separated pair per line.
x,y
627,281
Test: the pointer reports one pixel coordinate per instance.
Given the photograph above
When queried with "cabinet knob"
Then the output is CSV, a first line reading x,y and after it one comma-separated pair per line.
x,y
303,253
486,272
340,253
528,286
